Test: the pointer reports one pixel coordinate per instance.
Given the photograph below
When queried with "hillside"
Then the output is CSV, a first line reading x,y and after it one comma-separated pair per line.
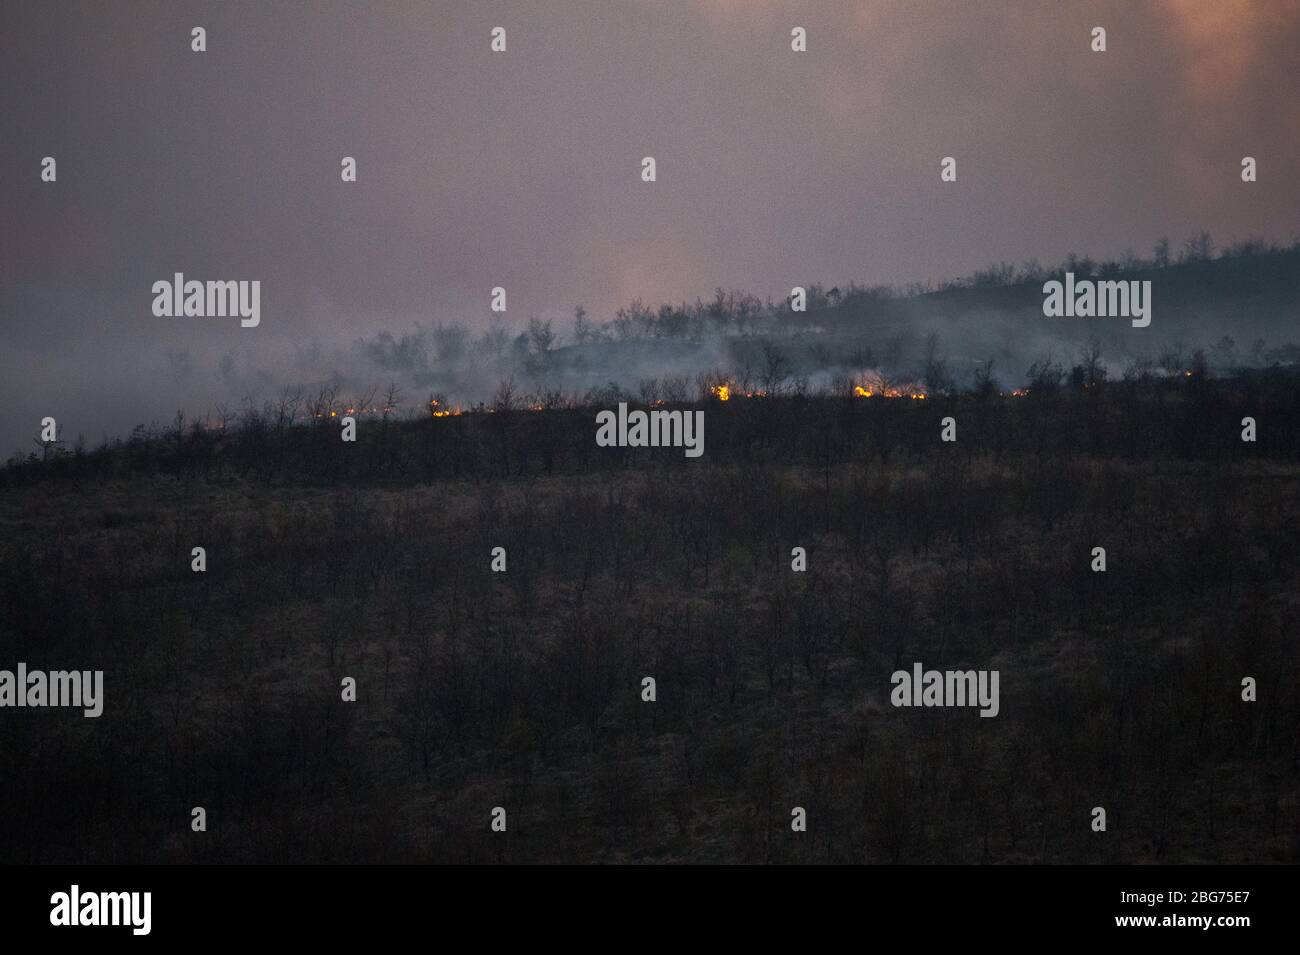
x,y
523,689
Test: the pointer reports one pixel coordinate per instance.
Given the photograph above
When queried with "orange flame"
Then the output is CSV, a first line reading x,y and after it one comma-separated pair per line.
x,y
874,386
438,411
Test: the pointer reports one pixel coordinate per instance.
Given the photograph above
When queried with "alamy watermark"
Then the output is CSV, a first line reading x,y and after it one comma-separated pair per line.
x,y
946,688
213,299
38,688
651,429
75,907
1086,298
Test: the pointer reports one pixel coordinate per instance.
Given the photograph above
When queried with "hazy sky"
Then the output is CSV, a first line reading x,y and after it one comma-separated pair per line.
x,y
522,169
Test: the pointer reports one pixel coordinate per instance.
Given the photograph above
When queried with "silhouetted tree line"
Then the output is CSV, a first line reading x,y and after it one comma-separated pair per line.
x,y
1192,416
1196,265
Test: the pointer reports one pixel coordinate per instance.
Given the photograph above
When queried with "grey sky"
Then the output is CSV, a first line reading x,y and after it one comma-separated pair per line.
x,y
522,169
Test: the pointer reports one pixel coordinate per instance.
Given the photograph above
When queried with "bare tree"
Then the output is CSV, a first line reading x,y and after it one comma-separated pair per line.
x,y
505,398
775,367
392,399
541,336
936,377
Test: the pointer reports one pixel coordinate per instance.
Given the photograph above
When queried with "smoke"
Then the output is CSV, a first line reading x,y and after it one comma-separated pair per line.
x,y
520,170
1236,310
